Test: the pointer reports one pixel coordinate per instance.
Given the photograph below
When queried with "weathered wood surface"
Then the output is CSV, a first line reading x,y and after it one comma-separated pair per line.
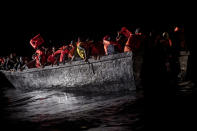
x,y
110,73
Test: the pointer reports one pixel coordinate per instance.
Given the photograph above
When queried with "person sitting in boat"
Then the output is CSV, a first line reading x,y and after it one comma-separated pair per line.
x,y
5,65
108,47
129,37
63,54
28,63
11,61
47,52
121,39
40,57
19,63
133,40
111,47
83,49
37,61
53,57
72,51
97,50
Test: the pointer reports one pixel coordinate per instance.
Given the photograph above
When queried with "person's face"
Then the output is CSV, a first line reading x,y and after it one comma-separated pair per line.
x,y
53,49
11,56
176,29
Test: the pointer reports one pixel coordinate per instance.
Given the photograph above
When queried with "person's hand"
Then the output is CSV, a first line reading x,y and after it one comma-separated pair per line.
x,y
86,60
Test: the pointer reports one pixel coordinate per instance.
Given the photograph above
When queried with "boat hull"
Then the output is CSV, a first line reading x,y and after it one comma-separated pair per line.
x,y
110,73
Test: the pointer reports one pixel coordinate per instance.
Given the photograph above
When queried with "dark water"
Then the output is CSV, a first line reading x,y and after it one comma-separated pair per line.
x,y
57,110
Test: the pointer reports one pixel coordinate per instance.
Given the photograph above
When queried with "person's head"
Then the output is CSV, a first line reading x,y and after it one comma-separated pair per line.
x,y
178,28
26,61
165,35
107,37
11,56
123,29
53,49
7,58
138,31
71,42
21,58
79,39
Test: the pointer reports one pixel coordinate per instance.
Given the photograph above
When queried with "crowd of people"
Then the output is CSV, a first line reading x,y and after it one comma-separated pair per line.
x,y
166,45
13,62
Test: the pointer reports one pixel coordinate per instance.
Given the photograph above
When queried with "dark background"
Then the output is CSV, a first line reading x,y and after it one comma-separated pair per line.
x,y
16,37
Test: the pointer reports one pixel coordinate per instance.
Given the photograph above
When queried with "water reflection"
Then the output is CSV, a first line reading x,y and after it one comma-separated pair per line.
x,y
43,105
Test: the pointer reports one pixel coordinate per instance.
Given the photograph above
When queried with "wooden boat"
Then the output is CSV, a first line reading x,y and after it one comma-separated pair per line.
x,y
110,73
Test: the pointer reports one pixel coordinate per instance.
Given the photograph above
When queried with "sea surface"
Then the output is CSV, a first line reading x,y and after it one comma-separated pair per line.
x,y
58,110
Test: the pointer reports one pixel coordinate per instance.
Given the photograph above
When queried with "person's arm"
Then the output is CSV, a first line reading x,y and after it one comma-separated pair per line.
x,y
74,55
85,53
57,52
33,44
118,36
40,59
